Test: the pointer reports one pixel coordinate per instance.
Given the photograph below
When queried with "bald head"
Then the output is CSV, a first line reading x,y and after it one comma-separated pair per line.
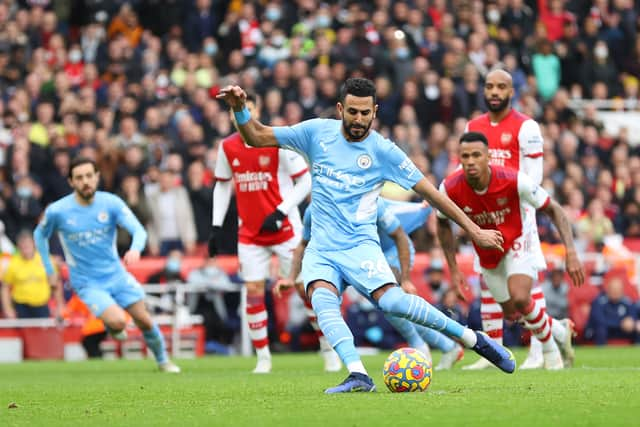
x,y
498,91
500,75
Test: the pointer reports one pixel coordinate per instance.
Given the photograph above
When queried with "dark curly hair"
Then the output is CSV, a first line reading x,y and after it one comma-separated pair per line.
x,y
357,86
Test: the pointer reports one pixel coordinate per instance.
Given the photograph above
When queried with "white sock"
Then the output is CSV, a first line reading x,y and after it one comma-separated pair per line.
x,y
535,347
263,353
558,330
468,338
324,344
357,367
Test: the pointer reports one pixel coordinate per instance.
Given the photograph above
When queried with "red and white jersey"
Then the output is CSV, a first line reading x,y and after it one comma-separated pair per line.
x,y
508,204
261,177
512,141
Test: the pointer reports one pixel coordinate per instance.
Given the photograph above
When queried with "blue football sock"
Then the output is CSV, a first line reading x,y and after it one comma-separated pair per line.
x,y
406,329
155,341
435,339
327,307
415,309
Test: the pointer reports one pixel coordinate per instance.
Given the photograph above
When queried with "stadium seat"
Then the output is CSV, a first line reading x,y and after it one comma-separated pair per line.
x,y
580,300
43,343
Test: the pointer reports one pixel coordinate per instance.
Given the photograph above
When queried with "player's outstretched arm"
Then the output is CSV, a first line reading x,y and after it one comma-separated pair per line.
x,y
401,240
489,239
448,245
253,132
559,218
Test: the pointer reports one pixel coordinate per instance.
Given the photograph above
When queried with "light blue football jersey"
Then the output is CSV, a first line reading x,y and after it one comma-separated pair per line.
x,y
347,178
88,236
393,214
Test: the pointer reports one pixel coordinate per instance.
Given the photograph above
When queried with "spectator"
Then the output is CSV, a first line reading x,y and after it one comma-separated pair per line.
x,y
25,288
218,304
556,290
612,316
595,226
449,306
92,330
200,188
136,200
172,225
172,270
434,276
547,70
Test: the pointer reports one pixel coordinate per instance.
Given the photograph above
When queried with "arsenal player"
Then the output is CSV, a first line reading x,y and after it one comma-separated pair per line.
x,y
515,141
269,185
503,199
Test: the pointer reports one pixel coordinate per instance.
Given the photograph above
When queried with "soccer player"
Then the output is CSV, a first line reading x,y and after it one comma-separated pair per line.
x,y
86,221
269,223
349,164
395,221
515,141
500,198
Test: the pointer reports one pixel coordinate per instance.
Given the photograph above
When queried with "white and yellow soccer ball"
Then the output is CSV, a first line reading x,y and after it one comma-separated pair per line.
x,y
407,370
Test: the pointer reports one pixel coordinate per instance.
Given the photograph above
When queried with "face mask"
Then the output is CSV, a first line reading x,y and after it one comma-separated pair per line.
x,y
173,265
162,81
601,52
277,41
24,192
273,14
211,49
75,56
402,53
493,15
432,92
323,21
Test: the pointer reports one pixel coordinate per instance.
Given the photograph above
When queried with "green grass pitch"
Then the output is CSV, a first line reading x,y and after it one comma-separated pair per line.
x,y
602,390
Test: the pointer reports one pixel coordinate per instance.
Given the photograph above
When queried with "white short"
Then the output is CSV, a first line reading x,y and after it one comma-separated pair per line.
x,y
255,261
516,261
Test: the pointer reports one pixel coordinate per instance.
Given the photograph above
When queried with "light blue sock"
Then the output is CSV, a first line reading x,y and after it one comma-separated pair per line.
x,y
415,309
155,341
406,329
327,307
435,339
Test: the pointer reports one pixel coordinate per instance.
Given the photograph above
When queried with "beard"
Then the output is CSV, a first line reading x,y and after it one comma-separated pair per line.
x,y
503,105
348,129
87,193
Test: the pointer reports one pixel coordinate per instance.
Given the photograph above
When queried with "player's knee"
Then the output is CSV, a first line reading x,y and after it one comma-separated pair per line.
x,y
117,323
521,301
255,288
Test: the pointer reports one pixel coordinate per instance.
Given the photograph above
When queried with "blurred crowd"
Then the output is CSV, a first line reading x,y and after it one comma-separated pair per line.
x,y
132,84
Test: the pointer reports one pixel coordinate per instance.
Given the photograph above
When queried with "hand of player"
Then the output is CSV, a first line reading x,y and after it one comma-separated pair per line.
x,y
216,230
282,285
574,268
54,280
459,284
234,96
488,239
273,222
409,287
131,257
10,313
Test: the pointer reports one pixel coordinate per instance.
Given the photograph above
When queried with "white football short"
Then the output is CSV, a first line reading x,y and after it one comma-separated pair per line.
x,y
255,261
520,259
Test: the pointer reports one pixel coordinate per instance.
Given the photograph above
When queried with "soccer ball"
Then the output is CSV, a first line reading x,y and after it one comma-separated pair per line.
x,y
407,369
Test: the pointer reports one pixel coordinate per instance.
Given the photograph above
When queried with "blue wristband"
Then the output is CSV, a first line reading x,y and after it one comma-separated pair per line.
x,y
242,116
